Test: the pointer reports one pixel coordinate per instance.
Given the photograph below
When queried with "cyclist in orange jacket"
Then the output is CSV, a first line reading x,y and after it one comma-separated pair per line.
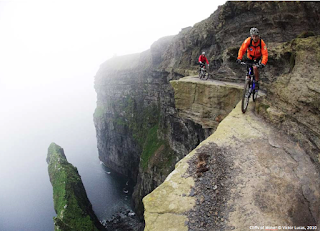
x,y
255,48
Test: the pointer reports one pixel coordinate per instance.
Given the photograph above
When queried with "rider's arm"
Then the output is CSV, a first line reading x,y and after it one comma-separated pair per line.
x,y
264,52
207,60
200,59
243,48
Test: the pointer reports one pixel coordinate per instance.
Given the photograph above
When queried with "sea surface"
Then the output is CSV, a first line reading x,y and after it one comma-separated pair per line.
x,y
30,119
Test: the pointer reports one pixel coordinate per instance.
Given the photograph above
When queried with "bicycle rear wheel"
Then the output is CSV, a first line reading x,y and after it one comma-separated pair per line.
x,y
245,97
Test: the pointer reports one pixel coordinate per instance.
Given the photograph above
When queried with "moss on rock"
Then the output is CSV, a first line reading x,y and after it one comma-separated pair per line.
x,y
73,208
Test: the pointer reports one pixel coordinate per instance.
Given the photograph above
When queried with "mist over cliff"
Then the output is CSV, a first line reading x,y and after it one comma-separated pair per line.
x,y
142,133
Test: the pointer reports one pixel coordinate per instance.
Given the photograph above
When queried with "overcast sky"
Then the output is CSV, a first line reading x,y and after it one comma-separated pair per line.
x,y
51,50
44,38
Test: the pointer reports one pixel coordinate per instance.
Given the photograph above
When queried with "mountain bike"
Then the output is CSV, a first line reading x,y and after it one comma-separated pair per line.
x,y
249,87
203,72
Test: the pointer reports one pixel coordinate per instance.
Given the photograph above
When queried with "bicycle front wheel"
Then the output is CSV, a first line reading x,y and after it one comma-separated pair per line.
x,y
245,97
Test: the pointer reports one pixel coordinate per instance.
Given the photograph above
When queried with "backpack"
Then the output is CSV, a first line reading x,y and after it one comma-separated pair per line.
x,y
259,45
251,45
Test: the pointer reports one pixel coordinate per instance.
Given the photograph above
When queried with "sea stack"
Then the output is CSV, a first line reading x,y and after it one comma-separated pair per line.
x,y
73,208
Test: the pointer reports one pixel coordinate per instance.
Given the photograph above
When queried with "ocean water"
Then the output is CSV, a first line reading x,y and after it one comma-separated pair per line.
x,y
27,205
32,118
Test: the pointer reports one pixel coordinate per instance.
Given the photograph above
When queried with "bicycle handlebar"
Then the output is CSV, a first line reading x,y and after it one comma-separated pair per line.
x,y
244,63
251,64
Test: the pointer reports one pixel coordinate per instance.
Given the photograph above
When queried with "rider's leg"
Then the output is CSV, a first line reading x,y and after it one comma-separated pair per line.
x,y
248,77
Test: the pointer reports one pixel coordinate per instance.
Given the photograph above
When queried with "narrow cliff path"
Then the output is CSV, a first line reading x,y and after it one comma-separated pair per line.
x,y
245,174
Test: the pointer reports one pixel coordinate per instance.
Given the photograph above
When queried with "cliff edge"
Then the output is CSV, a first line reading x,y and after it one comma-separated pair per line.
x,y
73,208
245,174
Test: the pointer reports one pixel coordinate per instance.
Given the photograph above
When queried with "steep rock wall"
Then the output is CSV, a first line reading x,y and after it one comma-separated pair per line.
x,y
293,100
136,101
136,118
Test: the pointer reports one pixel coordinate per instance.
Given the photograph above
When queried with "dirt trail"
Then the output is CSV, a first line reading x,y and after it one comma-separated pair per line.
x,y
269,180
253,176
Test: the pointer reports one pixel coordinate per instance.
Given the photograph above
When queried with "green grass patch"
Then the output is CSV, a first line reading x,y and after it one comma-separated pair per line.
x,y
142,122
151,145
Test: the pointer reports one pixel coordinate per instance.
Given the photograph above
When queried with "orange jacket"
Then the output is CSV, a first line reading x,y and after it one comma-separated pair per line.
x,y
254,51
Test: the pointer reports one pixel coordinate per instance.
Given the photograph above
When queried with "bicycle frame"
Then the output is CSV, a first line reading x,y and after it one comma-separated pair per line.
x,y
203,72
251,75
249,87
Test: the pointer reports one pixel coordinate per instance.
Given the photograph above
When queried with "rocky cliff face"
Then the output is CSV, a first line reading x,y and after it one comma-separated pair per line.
x,y
141,130
293,101
73,208
252,171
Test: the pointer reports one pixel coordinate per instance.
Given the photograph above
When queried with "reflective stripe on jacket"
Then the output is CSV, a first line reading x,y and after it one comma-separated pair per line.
x,y
255,51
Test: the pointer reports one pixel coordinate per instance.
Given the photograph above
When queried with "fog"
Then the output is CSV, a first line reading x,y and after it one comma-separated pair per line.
x,y
49,54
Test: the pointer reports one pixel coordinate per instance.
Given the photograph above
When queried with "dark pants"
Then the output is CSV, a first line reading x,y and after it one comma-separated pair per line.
x,y
201,65
255,69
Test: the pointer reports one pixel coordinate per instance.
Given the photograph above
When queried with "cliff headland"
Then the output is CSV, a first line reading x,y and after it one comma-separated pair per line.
x,y
198,162
148,116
